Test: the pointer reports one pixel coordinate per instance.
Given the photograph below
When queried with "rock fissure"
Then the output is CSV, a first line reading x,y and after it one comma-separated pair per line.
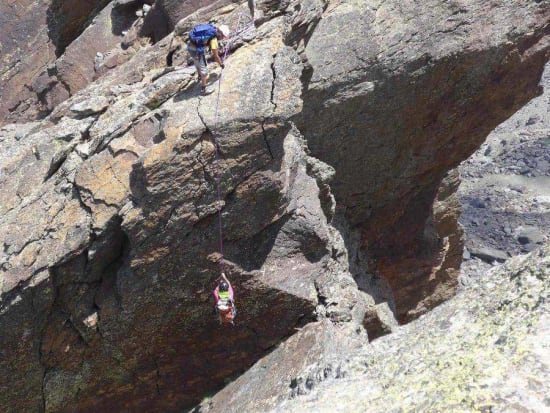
x,y
77,192
41,344
44,374
119,180
94,200
157,384
104,143
57,162
266,140
25,245
121,151
273,85
201,161
170,216
390,116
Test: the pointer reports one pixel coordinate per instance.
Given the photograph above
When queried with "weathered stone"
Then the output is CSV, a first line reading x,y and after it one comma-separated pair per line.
x,y
75,68
477,203
484,349
380,321
488,254
379,126
529,234
321,156
162,89
33,35
199,16
104,184
91,107
34,158
56,95
23,312
312,355
42,83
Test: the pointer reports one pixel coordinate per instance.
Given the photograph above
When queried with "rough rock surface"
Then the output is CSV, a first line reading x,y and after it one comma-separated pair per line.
x,y
165,14
337,196
505,188
72,43
32,35
296,366
484,350
404,97
76,68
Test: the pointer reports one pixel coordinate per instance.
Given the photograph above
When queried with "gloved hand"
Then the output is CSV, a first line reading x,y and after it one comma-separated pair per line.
x,y
222,66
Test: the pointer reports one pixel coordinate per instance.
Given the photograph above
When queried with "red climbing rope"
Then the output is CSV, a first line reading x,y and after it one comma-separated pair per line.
x,y
216,147
218,171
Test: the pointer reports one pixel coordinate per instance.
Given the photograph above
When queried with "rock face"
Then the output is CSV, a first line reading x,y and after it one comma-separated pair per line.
x,y
314,354
506,183
405,98
165,14
484,350
33,34
334,159
72,44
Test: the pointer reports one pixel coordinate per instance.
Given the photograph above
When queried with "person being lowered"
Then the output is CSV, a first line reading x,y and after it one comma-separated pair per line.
x,y
225,302
202,37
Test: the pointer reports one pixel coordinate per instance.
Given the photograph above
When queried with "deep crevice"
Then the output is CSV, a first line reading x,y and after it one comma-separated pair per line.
x,y
273,83
266,140
66,22
41,355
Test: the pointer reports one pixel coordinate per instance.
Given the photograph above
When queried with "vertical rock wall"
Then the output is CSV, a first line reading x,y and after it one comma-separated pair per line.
x,y
337,197
401,110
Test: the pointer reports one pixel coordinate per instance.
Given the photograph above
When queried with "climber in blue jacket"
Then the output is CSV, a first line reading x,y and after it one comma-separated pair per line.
x,y
202,37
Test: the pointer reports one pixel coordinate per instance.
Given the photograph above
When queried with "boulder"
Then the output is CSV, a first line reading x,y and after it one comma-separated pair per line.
x,y
488,254
485,349
529,235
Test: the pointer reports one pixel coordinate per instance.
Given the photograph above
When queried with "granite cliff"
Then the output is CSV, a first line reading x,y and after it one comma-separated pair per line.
x,y
340,124
484,350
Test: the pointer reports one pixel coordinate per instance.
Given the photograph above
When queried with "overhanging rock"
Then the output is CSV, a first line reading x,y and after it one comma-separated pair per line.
x,y
335,170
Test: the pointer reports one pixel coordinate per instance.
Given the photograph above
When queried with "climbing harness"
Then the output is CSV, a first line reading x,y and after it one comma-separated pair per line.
x,y
226,311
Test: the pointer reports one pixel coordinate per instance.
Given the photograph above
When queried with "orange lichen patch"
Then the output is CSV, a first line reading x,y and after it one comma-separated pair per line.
x,y
105,179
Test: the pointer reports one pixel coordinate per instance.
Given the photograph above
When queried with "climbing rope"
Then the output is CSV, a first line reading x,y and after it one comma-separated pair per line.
x,y
239,32
218,170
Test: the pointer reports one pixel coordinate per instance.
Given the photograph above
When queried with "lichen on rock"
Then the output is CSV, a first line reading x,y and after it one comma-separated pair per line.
x,y
329,158
483,350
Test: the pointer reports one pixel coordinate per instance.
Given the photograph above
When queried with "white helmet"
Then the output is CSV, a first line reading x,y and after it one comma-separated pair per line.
x,y
224,29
